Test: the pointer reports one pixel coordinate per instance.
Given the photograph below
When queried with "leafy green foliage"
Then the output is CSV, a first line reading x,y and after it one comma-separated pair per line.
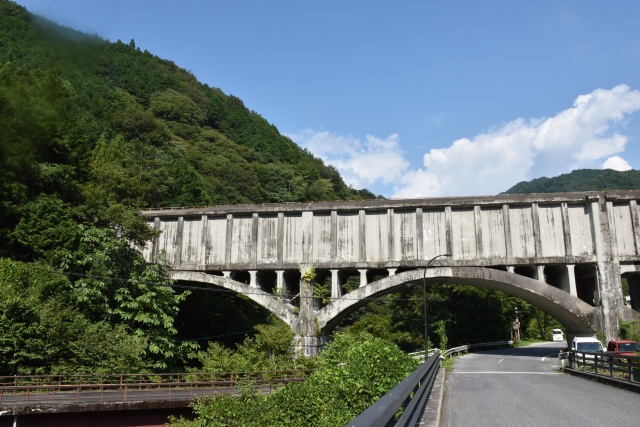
x,y
347,381
457,314
630,331
90,133
44,333
270,349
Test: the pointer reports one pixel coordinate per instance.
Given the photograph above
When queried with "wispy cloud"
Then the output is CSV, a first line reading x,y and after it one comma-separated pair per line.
x,y
590,134
361,163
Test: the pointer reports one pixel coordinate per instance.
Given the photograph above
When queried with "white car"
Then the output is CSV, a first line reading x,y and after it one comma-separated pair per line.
x,y
557,335
590,344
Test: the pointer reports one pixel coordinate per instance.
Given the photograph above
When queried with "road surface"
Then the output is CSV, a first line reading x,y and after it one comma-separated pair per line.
x,y
523,387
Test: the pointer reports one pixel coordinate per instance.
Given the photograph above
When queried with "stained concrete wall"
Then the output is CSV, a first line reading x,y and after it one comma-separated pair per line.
x,y
500,230
592,230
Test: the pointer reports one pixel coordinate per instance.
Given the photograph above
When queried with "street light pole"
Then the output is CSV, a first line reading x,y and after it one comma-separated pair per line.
x,y
424,298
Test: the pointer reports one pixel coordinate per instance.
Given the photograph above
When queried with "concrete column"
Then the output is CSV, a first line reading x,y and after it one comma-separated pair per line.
x,y
228,239
477,217
566,230
226,274
335,284
392,271
571,275
635,221
280,238
511,268
540,273
280,288
363,276
607,267
253,282
307,337
537,238
506,219
255,223
177,256
390,228
419,234
448,229
362,256
155,242
205,246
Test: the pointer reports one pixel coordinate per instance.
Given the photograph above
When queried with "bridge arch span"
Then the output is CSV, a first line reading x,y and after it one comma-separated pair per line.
x,y
280,309
578,317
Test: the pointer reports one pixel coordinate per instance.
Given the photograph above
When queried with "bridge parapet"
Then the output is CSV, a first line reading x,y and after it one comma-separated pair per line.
x,y
489,230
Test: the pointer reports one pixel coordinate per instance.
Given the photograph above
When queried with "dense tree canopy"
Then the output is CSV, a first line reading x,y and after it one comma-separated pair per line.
x,y
90,132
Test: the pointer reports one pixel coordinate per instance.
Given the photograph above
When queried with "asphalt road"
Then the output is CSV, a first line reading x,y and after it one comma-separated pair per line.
x,y
523,387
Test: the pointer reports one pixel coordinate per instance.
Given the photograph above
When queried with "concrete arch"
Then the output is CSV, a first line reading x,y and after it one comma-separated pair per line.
x,y
578,317
283,311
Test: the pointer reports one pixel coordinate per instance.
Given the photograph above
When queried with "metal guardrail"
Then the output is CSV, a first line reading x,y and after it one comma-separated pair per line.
x,y
411,395
479,346
610,365
462,349
76,389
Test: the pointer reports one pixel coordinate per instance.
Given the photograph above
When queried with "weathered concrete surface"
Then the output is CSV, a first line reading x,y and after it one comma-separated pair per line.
x,y
575,244
576,315
283,311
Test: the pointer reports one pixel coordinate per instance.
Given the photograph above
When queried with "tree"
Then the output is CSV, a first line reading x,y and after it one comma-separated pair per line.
x,y
347,381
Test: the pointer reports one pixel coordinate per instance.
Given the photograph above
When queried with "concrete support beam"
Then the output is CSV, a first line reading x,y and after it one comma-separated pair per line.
x,y
392,271
571,275
227,274
280,287
363,276
566,229
635,221
253,282
540,272
335,284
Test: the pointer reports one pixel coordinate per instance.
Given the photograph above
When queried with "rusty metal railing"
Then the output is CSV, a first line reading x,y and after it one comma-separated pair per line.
x,y
77,389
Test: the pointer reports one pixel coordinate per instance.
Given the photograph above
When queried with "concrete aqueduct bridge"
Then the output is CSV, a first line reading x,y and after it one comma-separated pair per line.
x,y
565,253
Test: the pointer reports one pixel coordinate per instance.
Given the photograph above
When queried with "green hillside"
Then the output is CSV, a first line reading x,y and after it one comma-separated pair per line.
x,y
580,180
90,132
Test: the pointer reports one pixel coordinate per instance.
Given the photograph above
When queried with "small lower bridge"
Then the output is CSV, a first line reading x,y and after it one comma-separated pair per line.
x,y
140,399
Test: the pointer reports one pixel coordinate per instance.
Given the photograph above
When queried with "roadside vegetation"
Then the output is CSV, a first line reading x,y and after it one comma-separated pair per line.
x,y
352,373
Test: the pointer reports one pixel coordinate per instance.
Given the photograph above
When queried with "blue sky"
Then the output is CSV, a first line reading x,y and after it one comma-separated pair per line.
x,y
413,98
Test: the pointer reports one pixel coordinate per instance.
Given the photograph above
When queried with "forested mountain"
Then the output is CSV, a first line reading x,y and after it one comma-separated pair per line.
x,y
580,180
90,132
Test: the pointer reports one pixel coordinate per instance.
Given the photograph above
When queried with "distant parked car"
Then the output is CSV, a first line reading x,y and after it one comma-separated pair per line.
x,y
623,347
557,335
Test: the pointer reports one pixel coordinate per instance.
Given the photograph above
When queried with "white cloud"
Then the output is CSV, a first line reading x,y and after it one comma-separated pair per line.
x,y
616,163
580,137
587,135
361,163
